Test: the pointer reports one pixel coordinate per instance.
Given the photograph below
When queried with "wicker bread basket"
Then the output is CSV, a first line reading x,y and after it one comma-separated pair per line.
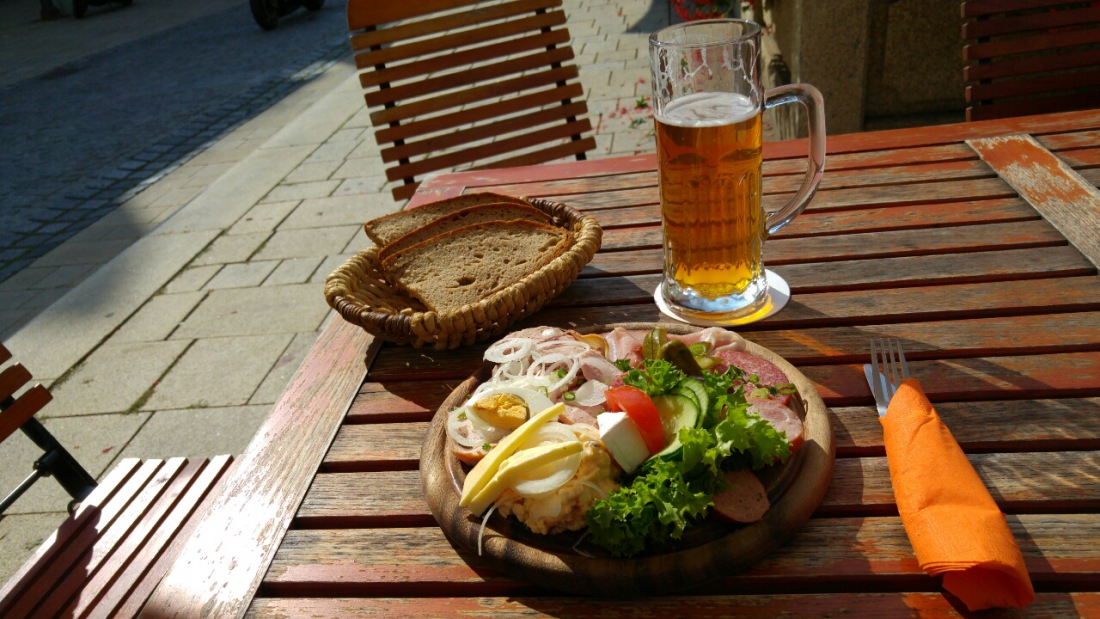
x,y
358,290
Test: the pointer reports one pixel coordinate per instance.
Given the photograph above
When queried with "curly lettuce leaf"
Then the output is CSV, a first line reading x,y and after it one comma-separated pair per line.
x,y
657,506
655,377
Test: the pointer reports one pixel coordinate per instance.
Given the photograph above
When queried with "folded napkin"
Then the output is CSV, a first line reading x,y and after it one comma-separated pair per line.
x,y
954,525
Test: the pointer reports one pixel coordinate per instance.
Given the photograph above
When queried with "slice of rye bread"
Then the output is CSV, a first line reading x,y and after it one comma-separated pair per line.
x,y
466,265
388,228
497,211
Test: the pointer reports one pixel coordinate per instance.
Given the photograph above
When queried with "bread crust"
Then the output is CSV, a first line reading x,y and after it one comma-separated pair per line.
x,y
500,211
388,228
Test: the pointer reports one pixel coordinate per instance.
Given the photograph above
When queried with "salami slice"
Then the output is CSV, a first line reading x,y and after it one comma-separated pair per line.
x,y
744,500
767,373
781,417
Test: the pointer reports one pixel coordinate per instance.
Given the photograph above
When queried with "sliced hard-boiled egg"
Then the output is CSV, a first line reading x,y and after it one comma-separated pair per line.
x,y
505,407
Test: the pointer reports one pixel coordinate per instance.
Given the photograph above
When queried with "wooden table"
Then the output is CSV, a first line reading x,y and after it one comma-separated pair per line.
x,y
975,244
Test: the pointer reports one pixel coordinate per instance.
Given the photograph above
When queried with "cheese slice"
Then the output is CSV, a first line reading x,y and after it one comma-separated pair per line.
x,y
516,466
485,470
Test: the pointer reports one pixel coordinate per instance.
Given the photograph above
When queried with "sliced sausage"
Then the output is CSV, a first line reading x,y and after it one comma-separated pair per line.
x,y
768,373
469,455
744,500
781,417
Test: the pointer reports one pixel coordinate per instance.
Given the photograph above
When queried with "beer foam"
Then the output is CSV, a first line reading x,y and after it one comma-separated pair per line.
x,y
708,109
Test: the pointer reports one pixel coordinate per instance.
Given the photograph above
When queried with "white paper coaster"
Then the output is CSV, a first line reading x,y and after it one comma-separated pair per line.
x,y
778,295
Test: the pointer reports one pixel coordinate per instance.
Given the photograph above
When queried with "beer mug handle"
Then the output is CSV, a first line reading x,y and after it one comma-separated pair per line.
x,y
810,98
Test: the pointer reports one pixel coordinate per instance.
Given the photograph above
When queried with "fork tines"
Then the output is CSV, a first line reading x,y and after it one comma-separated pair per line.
x,y
888,359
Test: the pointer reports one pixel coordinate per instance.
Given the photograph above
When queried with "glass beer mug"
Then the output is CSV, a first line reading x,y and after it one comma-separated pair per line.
x,y
709,105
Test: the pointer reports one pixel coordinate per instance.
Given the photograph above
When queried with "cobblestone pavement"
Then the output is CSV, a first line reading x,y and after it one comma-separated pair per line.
x,y
85,136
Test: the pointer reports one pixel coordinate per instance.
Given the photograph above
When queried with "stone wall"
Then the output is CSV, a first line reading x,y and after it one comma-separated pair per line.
x,y
877,63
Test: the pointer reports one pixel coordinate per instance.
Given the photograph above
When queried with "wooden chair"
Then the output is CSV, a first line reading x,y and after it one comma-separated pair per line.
x,y
1030,56
107,557
467,83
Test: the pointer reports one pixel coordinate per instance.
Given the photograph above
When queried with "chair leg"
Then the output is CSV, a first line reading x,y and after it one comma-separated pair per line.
x,y
58,462
19,490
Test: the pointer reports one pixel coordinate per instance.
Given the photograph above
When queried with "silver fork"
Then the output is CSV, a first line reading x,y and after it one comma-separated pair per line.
x,y
886,371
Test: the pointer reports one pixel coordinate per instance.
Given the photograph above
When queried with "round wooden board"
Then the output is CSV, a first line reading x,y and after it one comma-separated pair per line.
x,y
711,549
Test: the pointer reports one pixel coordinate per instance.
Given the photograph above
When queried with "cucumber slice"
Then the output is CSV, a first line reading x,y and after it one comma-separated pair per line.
x,y
677,412
702,401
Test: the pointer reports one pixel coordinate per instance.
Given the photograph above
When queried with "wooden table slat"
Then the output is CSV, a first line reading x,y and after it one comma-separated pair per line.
x,y
825,550
810,606
1021,426
1053,481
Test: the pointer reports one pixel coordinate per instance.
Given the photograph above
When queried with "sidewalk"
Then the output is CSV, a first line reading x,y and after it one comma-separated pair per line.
x,y
220,295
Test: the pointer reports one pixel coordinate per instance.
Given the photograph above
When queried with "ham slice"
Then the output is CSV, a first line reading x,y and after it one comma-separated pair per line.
x,y
622,344
595,367
575,414
720,340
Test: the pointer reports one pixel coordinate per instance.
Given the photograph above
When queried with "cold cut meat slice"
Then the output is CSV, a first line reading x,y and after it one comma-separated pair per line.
x,y
720,340
621,344
767,373
781,417
744,500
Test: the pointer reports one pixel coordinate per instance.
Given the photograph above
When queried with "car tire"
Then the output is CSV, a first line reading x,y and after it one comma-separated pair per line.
x,y
265,12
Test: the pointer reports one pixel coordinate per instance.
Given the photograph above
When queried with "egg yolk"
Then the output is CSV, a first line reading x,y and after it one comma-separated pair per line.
x,y
503,410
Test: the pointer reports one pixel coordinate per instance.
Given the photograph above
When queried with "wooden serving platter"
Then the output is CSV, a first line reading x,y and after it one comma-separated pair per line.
x,y
709,550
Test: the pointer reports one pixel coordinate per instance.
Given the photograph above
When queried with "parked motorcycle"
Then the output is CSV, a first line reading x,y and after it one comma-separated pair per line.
x,y
268,12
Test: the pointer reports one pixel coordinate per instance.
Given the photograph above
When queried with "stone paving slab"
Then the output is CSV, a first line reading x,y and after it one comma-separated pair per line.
x,y
336,211
109,380
218,372
244,275
229,248
308,241
294,271
158,318
255,311
263,217
194,433
277,379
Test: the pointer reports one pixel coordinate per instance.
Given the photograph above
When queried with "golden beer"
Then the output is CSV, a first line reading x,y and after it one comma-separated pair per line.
x,y
709,162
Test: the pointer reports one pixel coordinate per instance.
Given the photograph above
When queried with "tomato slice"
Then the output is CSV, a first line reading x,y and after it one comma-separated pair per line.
x,y
637,405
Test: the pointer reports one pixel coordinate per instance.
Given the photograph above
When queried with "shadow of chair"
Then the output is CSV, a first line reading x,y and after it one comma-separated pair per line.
x,y
1025,57
466,84
122,533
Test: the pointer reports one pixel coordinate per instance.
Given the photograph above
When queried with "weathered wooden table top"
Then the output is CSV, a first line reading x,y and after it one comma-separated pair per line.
x,y
978,250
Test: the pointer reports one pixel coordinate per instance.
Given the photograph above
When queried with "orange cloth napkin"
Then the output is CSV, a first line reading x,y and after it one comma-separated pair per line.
x,y
954,525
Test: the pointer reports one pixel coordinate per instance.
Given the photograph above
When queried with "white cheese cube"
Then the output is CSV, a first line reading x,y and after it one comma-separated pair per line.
x,y
621,437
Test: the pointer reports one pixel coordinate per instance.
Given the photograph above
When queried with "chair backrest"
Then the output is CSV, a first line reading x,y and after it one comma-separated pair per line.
x,y
468,84
17,411
1030,57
